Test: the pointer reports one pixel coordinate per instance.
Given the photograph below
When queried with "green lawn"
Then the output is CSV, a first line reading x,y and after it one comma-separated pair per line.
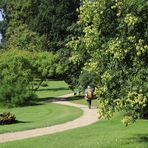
x,y
81,100
103,134
54,89
42,115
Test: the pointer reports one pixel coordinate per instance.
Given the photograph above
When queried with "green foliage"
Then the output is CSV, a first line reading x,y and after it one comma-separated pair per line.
x,y
45,64
86,79
7,118
39,25
18,71
15,77
113,47
54,20
47,18
24,39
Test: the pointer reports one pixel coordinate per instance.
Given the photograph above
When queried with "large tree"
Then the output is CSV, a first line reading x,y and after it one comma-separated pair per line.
x,y
113,48
45,17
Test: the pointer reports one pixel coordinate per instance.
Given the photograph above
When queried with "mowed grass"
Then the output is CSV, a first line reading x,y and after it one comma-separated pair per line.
x,y
41,115
54,89
81,100
103,134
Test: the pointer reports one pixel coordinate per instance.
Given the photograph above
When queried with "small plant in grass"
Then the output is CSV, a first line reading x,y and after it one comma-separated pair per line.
x,y
44,84
35,83
7,118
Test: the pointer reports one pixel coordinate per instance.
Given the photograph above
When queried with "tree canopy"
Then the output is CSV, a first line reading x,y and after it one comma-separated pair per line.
x,y
113,48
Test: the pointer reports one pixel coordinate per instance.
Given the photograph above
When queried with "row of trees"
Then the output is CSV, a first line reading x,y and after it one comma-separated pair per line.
x,y
103,44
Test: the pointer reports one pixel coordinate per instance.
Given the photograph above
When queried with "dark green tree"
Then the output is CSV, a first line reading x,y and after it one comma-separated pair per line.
x,y
46,17
52,19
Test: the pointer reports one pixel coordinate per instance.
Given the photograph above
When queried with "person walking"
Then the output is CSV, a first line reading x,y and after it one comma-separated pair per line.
x,y
89,96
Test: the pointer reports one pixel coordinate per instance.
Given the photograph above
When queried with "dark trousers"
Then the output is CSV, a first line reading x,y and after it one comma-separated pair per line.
x,y
89,104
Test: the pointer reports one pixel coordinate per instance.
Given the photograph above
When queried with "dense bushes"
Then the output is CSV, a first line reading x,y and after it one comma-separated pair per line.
x,y
7,118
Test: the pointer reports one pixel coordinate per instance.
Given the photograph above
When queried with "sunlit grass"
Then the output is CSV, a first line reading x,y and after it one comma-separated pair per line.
x,y
42,114
54,89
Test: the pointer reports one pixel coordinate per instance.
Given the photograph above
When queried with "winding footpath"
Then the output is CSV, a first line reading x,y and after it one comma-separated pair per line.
x,y
89,116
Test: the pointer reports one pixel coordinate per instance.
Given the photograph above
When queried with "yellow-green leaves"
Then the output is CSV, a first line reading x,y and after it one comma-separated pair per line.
x,y
127,120
91,66
141,48
90,37
118,6
114,39
130,19
136,99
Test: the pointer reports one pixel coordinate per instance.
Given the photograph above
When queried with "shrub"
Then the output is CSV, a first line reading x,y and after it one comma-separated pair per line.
x,y
7,118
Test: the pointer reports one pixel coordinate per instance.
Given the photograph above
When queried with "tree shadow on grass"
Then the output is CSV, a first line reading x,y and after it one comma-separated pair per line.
x,y
44,100
35,103
77,98
18,121
15,122
138,138
141,138
52,99
53,89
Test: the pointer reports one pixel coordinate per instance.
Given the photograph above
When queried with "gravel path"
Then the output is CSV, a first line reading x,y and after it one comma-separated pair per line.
x,y
89,116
